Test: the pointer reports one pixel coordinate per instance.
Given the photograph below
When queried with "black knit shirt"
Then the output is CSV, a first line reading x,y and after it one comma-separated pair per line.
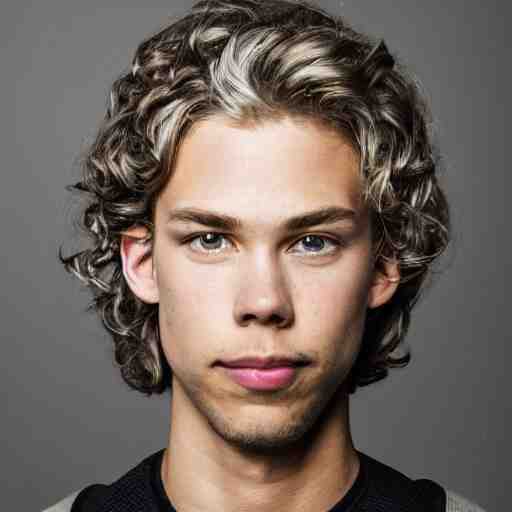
x,y
377,488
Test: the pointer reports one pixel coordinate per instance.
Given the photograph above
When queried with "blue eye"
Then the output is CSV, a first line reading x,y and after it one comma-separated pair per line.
x,y
319,243
210,242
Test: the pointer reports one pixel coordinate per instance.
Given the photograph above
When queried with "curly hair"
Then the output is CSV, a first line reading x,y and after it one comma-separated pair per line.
x,y
254,60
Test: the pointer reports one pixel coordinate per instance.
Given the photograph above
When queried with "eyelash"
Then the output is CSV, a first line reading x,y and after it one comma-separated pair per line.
x,y
337,244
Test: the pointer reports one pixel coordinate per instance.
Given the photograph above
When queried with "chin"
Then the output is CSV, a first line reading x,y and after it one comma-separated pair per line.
x,y
262,438
255,433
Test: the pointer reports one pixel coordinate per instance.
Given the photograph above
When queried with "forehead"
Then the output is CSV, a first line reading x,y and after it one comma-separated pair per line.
x,y
264,171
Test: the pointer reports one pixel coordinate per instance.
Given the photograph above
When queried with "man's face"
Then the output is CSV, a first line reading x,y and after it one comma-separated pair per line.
x,y
262,290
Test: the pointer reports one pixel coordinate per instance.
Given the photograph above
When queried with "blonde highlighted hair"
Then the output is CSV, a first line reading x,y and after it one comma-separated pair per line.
x,y
253,60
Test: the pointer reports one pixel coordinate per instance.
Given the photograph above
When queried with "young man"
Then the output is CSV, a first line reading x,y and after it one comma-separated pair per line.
x,y
264,211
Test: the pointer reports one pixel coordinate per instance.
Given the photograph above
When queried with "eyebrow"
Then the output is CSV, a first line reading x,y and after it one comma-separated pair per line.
x,y
326,215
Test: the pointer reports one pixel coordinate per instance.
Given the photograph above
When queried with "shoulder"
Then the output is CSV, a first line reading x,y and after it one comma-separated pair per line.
x,y
457,503
390,486
129,492
65,504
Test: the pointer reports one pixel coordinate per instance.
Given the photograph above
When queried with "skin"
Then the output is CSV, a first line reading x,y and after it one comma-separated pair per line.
x,y
260,291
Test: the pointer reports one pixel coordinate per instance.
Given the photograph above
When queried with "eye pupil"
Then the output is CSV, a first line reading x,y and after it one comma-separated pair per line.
x,y
318,245
210,238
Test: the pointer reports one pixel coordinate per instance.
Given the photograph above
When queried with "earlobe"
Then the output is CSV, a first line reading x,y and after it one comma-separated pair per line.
x,y
385,282
138,265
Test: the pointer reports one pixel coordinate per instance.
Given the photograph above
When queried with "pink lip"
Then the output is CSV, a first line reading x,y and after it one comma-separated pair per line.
x,y
263,378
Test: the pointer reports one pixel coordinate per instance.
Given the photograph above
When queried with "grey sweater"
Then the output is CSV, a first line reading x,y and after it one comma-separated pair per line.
x,y
454,503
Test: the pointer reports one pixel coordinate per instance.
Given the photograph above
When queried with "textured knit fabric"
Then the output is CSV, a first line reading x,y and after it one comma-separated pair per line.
x,y
377,488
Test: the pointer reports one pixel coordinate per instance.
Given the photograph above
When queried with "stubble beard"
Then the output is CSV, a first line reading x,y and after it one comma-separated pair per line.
x,y
299,428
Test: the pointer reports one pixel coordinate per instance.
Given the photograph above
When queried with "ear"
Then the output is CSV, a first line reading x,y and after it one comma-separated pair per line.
x,y
138,264
386,279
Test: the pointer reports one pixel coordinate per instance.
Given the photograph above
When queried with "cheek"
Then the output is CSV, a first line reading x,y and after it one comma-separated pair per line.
x,y
333,309
192,306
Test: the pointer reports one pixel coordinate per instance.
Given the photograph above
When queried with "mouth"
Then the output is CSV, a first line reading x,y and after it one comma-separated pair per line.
x,y
264,362
264,374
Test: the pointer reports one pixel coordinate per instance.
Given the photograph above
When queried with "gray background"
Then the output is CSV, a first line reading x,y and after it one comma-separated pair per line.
x,y
70,421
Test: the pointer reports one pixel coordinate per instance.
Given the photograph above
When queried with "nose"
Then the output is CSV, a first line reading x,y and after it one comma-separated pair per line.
x,y
263,297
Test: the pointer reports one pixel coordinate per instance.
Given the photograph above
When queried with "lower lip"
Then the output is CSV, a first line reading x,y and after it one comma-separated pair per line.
x,y
263,378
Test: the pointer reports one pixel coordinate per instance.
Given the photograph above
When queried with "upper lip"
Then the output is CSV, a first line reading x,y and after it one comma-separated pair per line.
x,y
264,362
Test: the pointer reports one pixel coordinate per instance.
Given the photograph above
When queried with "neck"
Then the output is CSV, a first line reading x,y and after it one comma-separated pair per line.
x,y
201,472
